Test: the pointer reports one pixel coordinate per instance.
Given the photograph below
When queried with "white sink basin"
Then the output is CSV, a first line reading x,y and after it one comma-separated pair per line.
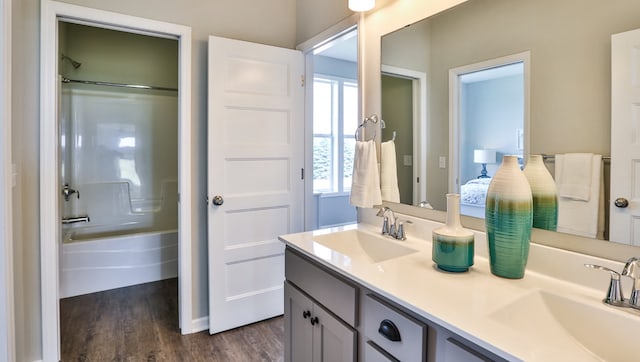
x,y
603,333
357,244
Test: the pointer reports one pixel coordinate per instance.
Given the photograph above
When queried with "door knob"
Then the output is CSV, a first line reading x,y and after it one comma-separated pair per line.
x,y
621,202
217,200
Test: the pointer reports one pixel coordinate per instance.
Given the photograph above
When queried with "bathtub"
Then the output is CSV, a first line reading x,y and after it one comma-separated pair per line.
x,y
97,259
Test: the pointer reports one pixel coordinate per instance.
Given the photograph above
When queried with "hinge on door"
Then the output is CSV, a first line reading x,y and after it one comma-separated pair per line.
x,y
302,80
302,173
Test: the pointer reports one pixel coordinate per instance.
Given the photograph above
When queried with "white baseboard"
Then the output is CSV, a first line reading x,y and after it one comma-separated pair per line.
x,y
200,324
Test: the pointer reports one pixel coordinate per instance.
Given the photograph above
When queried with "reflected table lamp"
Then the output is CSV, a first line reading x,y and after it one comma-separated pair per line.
x,y
484,157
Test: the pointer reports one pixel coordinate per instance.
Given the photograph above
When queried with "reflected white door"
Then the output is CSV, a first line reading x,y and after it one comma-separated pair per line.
x,y
255,150
625,137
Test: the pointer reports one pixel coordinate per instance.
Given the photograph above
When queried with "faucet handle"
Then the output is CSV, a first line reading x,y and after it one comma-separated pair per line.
x,y
632,270
400,234
614,294
385,226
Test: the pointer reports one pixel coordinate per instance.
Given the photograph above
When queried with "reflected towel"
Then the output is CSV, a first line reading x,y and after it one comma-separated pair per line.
x,y
574,177
389,172
365,187
581,216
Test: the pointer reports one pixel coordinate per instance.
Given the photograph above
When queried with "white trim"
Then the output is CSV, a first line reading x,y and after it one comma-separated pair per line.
x,y
200,324
420,129
348,24
7,317
454,107
51,11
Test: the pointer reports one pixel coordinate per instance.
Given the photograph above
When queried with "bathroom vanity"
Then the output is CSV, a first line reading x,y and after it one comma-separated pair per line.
x,y
354,295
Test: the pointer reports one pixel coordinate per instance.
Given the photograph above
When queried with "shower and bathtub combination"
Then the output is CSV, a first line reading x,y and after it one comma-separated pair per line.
x,y
119,170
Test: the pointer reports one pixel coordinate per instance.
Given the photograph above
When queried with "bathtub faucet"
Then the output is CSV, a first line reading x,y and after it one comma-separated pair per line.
x,y
68,191
73,220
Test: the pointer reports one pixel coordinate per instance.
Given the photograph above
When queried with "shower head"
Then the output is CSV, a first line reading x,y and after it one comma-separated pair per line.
x,y
75,64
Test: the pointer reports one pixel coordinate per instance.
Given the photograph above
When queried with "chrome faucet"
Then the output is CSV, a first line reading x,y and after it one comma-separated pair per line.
x,y
387,229
392,227
68,191
615,296
632,270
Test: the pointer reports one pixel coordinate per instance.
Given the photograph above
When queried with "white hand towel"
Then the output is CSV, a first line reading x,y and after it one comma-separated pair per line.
x,y
389,172
574,179
581,217
365,187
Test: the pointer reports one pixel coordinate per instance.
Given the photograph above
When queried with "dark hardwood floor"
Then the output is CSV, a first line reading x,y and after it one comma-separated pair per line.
x,y
140,323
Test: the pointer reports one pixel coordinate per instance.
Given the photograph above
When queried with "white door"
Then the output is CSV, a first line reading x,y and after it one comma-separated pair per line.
x,y
256,155
625,138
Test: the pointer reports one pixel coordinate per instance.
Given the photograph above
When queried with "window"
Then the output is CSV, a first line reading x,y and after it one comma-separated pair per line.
x,y
335,118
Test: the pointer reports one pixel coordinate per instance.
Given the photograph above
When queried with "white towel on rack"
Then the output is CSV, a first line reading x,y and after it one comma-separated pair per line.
x,y
389,172
574,177
365,187
580,214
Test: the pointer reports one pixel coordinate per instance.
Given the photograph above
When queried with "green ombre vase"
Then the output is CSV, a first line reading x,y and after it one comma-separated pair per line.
x,y
544,192
508,219
453,245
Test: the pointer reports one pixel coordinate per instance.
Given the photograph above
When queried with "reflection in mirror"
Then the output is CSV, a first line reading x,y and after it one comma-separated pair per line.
x,y
487,122
570,83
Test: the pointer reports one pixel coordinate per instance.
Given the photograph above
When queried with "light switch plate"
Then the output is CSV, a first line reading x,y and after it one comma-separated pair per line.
x,y
407,160
443,161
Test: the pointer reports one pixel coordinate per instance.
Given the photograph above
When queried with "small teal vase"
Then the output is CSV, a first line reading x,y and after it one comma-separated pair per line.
x,y
544,193
453,245
508,220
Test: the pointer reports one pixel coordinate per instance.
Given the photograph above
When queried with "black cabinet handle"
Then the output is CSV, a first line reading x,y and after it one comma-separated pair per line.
x,y
389,330
314,321
306,314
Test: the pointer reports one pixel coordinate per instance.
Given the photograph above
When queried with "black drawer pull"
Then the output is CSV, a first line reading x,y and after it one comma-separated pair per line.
x,y
389,330
306,314
314,321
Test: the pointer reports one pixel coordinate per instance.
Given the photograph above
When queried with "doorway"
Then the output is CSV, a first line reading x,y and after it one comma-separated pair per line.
x,y
489,120
332,118
51,186
119,158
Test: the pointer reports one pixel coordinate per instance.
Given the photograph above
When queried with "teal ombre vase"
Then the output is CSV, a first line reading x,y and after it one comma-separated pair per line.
x,y
544,192
508,219
453,245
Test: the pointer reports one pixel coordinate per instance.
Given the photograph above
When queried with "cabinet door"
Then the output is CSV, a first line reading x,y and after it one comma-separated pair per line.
x,y
333,340
297,327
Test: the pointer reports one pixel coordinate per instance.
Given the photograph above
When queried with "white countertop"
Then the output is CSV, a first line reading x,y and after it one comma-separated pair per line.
x,y
469,303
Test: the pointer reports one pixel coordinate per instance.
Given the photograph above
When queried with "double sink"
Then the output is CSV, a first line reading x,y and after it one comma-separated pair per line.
x,y
537,315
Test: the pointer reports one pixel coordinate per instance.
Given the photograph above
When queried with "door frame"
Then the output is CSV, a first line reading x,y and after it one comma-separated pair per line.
x,y
50,226
307,48
454,107
420,119
7,317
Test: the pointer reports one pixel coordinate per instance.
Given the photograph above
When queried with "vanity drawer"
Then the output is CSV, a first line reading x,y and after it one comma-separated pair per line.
x,y
333,292
380,322
373,353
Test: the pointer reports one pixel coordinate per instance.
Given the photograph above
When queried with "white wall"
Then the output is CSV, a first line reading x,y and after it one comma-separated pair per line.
x,y
241,19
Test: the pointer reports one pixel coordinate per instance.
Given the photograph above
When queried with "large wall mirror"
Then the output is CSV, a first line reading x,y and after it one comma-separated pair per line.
x,y
559,101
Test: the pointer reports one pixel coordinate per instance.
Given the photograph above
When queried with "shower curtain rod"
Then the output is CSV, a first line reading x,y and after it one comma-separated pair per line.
x,y
109,84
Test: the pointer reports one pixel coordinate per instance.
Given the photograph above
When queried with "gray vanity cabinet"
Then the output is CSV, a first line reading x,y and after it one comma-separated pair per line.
x,y
312,333
329,317
320,313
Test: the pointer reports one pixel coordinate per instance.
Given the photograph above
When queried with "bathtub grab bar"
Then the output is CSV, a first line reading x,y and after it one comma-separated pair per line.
x,y
73,220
